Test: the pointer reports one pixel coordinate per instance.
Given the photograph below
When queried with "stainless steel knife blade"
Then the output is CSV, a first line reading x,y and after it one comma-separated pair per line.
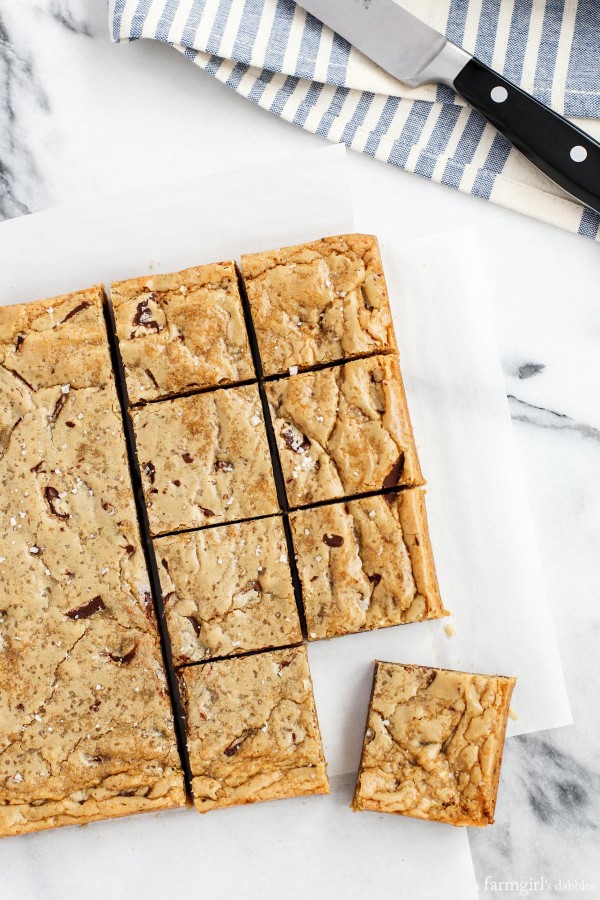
x,y
393,38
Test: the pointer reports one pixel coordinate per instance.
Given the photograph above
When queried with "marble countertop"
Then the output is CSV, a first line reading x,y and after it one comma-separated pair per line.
x,y
80,117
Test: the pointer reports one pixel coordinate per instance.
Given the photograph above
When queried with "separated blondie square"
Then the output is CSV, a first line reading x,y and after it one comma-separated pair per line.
x,y
319,303
433,744
365,564
227,590
204,459
182,331
343,430
86,726
252,729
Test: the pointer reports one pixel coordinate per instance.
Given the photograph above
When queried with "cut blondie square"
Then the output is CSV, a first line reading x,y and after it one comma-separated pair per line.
x,y
227,590
181,332
252,729
204,459
86,727
318,303
343,430
433,744
366,564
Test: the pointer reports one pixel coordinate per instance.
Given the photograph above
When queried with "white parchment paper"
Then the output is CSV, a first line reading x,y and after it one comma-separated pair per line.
x,y
292,849
481,528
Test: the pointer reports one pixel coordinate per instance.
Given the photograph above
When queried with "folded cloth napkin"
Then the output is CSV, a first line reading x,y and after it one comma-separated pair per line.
x,y
283,59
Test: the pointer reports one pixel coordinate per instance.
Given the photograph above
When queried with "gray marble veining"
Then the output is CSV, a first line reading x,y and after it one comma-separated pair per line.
x,y
80,116
521,411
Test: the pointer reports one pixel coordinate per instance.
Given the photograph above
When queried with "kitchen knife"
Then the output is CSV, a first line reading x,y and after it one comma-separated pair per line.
x,y
416,54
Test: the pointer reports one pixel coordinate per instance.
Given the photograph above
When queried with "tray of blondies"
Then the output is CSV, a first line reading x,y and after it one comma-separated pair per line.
x,y
204,471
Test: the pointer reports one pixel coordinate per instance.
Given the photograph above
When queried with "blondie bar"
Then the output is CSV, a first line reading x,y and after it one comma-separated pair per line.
x,y
182,331
86,728
227,590
252,729
343,430
433,744
319,302
365,564
204,459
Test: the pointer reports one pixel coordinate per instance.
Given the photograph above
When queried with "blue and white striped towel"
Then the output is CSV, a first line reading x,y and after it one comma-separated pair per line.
x,y
278,56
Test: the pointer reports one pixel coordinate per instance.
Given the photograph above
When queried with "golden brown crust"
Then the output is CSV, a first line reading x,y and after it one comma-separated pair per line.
x,y
26,819
365,564
252,729
433,744
227,590
343,430
181,331
85,717
319,302
204,459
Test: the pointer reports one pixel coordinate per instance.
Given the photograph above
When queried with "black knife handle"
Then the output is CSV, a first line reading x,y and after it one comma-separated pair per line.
x,y
563,152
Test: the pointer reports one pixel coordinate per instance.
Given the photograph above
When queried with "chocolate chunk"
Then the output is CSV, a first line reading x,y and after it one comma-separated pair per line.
x,y
148,605
57,407
195,624
176,482
165,565
374,579
129,549
187,458
7,437
20,707
235,745
429,681
96,705
297,442
38,467
52,497
333,540
143,315
87,610
70,424
152,378
18,342
20,377
126,658
149,470
392,478
74,311
207,512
